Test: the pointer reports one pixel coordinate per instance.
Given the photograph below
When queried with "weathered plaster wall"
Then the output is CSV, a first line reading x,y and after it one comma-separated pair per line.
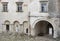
x,y
12,15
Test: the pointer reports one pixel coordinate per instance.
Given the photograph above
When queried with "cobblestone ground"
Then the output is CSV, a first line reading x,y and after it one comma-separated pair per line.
x,y
17,37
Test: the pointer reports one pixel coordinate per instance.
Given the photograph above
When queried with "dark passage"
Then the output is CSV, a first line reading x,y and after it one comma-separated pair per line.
x,y
43,28
7,27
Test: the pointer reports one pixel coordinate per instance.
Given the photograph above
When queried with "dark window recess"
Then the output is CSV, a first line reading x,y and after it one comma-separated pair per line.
x,y
19,8
27,30
5,8
7,27
42,8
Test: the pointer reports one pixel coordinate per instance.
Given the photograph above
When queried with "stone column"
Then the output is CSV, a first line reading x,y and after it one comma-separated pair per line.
x,y
32,32
55,30
29,30
11,28
55,34
21,28
4,28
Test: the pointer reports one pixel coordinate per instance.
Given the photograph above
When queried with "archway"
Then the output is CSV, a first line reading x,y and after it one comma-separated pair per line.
x,y
16,26
7,25
43,28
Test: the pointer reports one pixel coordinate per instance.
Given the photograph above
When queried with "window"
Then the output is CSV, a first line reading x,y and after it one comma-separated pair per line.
x,y
7,27
5,6
16,25
44,7
19,7
27,30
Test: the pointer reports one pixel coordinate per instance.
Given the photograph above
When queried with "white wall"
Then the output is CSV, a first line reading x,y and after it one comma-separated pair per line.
x,y
12,15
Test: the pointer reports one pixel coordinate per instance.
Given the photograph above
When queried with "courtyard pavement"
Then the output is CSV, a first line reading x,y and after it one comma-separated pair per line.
x,y
21,37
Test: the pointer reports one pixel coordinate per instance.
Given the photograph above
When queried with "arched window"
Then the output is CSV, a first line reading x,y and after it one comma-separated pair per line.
x,y
27,30
16,26
7,24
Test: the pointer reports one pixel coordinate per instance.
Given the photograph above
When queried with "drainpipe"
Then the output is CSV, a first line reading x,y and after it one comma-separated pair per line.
x,y
29,29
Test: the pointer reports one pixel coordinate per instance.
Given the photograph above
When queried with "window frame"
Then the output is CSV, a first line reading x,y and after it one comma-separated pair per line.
x,y
46,7
19,6
5,6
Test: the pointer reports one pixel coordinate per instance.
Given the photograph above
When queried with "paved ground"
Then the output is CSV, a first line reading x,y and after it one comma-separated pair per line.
x,y
18,37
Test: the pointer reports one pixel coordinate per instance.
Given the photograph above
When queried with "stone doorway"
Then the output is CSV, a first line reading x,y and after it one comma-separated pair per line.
x,y
43,28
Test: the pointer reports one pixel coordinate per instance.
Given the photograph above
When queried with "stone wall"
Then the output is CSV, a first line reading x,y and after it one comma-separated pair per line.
x,y
52,8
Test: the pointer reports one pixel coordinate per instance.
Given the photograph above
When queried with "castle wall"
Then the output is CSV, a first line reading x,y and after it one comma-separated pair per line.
x,y
50,16
30,16
12,15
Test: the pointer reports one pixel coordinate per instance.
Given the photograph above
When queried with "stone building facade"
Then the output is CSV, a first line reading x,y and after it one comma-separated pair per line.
x,y
14,15
32,17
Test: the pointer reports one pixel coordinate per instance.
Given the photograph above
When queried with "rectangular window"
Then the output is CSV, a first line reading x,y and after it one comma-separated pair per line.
x,y
44,7
19,7
5,7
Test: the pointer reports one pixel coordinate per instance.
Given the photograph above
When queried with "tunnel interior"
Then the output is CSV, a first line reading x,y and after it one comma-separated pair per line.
x,y
43,28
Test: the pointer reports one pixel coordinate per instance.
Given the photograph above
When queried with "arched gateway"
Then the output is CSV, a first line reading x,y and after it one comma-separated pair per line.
x,y
43,28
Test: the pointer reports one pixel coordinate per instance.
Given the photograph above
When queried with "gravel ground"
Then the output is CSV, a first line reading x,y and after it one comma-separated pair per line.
x,y
18,37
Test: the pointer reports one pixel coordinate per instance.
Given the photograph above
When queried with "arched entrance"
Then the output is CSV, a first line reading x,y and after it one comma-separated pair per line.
x,y
7,25
43,28
16,26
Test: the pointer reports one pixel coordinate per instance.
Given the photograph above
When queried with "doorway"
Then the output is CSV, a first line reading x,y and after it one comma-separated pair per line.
x,y
43,28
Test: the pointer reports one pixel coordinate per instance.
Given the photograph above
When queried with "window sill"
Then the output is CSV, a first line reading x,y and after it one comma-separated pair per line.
x,y
19,11
43,12
4,11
